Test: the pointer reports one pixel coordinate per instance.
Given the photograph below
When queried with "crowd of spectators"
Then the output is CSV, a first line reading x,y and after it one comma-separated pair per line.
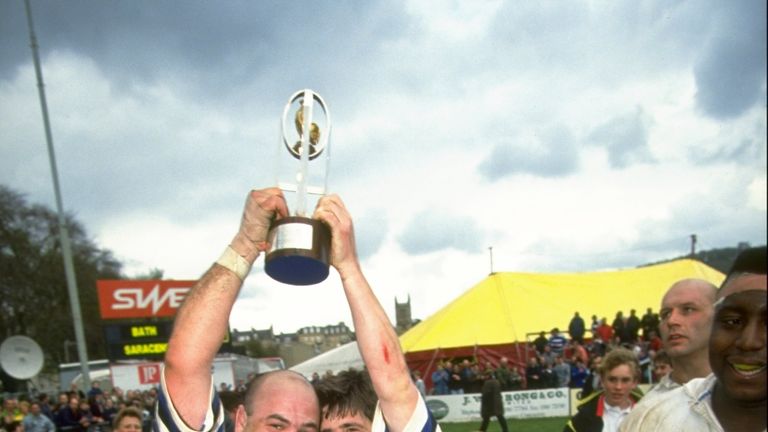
x,y
622,354
553,360
74,410
559,359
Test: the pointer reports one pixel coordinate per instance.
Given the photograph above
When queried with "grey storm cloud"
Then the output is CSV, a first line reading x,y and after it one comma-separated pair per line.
x,y
237,62
552,153
433,230
625,138
731,73
215,47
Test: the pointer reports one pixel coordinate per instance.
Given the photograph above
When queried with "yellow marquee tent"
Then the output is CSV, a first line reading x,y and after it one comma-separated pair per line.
x,y
505,308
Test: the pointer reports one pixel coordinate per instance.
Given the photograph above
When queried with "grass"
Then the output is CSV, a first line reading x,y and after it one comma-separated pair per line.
x,y
551,424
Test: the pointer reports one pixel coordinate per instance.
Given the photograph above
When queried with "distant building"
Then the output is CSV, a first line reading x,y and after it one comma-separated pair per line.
x,y
403,320
295,348
326,337
241,337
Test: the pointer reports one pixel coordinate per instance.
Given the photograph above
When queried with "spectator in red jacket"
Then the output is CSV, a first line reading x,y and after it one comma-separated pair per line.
x,y
605,331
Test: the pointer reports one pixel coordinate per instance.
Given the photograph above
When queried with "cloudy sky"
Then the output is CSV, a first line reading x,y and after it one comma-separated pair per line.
x,y
566,135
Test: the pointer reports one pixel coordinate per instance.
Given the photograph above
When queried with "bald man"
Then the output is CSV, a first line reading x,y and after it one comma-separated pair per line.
x,y
686,320
281,400
733,397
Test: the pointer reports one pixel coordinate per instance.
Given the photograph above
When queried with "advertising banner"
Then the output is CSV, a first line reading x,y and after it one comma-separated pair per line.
x,y
137,339
552,402
121,299
140,376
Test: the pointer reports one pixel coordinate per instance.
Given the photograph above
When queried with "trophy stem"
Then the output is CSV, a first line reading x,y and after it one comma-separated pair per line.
x,y
299,246
301,207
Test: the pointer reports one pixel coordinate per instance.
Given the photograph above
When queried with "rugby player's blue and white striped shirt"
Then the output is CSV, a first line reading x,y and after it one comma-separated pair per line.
x,y
168,420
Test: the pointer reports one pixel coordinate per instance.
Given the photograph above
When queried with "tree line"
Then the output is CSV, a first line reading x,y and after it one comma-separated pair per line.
x,y
34,300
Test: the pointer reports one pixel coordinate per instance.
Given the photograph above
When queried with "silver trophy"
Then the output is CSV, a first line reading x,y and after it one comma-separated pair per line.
x,y
299,245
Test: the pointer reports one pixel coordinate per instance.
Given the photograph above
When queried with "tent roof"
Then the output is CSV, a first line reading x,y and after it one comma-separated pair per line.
x,y
336,360
506,307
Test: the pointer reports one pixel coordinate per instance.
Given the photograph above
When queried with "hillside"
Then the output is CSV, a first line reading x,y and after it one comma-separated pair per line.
x,y
720,259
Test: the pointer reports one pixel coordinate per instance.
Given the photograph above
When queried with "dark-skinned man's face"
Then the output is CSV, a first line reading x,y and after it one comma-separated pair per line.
x,y
737,351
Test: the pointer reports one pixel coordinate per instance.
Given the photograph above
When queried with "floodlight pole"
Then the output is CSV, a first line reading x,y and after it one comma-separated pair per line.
x,y
66,249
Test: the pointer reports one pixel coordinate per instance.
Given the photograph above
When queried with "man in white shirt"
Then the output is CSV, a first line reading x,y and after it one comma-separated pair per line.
x,y
686,319
733,397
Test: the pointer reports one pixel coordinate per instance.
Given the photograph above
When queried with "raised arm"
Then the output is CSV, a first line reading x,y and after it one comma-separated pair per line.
x,y
201,322
376,338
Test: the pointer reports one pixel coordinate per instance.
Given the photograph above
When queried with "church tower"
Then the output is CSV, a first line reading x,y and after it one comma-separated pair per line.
x,y
403,316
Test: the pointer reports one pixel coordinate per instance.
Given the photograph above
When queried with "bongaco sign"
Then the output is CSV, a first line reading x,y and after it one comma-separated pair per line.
x,y
120,299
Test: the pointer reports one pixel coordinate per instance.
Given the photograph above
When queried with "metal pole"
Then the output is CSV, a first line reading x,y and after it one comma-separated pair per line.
x,y
66,250
693,245
490,253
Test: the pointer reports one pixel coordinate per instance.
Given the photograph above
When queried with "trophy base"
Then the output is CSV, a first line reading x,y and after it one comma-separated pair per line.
x,y
300,251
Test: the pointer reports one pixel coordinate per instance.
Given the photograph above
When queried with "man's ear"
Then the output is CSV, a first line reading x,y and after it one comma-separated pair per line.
x,y
241,418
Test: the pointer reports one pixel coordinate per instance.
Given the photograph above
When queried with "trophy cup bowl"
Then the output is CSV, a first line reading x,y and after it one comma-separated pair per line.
x,y
299,252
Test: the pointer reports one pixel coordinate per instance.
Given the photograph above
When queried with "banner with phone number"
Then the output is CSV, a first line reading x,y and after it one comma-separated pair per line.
x,y
554,402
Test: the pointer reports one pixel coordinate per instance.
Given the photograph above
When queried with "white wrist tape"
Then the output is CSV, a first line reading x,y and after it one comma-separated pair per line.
x,y
235,263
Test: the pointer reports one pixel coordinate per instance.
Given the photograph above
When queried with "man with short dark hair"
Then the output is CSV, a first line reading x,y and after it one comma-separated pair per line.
x,y
400,405
504,374
576,328
562,372
533,378
540,342
648,323
662,365
492,404
619,326
231,400
632,326
71,418
733,397
347,402
35,421
556,341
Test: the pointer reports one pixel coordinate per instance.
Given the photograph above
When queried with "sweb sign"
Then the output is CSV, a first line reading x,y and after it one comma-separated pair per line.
x,y
127,299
